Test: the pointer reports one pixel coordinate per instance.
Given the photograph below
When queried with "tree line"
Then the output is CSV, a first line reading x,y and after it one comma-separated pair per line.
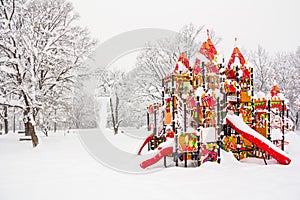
x,y
41,54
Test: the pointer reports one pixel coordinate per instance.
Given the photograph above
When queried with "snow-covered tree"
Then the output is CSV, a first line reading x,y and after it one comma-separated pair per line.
x,y
111,84
262,67
43,49
80,113
287,72
296,102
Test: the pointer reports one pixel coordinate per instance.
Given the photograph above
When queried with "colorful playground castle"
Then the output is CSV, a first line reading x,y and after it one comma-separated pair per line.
x,y
210,106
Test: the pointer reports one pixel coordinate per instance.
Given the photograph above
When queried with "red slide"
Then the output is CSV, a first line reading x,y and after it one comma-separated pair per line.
x,y
150,137
257,139
164,152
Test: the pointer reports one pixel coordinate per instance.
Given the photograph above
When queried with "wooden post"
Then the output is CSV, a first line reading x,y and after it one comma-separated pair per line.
x,y
185,159
269,120
218,129
184,115
238,141
176,148
191,77
282,118
164,111
252,99
148,119
165,161
219,152
218,118
198,110
237,90
203,77
173,102
198,150
204,116
173,122
225,130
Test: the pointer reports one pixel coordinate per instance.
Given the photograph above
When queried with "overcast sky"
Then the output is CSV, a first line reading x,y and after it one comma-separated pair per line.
x,y
272,24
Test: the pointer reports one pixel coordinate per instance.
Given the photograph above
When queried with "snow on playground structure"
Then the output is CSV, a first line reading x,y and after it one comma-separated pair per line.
x,y
211,106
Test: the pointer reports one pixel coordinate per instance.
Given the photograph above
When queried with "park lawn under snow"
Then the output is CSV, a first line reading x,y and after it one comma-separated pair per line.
x,y
61,168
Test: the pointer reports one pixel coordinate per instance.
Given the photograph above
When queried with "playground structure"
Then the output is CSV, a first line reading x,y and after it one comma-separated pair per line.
x,y
209,106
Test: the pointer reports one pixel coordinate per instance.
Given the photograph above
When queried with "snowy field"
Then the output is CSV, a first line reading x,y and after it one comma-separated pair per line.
x,y
61,168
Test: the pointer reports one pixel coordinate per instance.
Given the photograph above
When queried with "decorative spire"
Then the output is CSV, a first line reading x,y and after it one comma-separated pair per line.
x,y
235,42
275,90
208,49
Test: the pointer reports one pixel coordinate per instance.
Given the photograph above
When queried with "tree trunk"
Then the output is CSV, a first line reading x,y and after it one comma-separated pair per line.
x,y
29,129
45,131
112,116
117,111
34,138
14,121
296,123
54,125
5,120
26,125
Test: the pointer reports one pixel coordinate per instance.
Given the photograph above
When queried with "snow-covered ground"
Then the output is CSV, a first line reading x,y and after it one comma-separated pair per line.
x,y
61,168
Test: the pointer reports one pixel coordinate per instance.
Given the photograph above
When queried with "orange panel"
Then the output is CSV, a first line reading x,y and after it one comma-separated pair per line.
x,y
245,97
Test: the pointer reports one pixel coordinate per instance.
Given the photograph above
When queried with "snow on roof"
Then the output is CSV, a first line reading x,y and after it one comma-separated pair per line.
x,y
260,94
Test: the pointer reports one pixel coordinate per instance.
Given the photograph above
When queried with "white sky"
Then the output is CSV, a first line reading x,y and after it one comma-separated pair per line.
x,y
272,24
